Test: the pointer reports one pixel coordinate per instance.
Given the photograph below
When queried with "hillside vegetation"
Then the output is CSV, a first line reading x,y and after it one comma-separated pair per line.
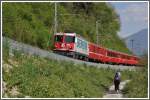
x,y
32,76
138,87
33,23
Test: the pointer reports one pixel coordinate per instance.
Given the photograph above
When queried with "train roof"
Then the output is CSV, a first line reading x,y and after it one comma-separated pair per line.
x,y
122,53
70,34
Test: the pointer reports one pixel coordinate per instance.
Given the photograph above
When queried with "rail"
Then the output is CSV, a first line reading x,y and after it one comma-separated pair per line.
x,y
31,50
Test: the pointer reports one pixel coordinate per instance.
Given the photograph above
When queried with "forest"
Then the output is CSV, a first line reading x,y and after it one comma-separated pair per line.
x,y
33,23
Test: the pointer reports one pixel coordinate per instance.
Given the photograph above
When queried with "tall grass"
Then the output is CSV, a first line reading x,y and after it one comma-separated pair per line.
x,y
38,77
45,78
138,87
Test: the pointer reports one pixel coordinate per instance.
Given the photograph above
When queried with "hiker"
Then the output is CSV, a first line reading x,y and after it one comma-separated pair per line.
x,y
117,80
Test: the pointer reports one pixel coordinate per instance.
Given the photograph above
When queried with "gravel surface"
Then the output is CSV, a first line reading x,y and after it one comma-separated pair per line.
x,y
112,94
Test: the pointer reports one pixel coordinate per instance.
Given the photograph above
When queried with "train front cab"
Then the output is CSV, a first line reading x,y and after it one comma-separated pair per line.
x,y
64,43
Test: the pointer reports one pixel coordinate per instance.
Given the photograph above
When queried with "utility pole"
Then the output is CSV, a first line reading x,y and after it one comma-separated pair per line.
x,y
132,44
97,36
96,33
55,28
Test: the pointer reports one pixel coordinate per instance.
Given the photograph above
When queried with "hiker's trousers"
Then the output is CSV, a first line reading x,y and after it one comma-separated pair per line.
x,y
116,82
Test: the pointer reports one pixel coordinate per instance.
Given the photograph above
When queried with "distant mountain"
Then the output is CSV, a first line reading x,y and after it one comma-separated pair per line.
x,y
139,41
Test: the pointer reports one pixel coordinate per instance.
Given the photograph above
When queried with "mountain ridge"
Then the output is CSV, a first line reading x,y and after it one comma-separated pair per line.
x,y
140,42
135,33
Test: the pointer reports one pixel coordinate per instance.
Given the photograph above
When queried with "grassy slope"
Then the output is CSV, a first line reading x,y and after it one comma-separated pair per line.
x,y
138,87
39,77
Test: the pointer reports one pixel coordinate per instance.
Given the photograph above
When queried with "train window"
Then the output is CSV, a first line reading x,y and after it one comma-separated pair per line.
x,y
91,48
111,54
69,39
82,44
99,50
59,38
79,43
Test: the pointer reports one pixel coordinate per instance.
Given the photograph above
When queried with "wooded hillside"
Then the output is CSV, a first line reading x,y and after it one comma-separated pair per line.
x,y
33,23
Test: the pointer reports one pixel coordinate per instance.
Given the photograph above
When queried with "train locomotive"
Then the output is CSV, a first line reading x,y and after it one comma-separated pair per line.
x,y
75,46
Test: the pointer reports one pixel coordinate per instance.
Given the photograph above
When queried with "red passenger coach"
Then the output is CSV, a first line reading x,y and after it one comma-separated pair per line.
x,y
97,53
104,55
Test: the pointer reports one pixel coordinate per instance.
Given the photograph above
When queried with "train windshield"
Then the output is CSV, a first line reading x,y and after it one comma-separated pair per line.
x,y
69,39
59,38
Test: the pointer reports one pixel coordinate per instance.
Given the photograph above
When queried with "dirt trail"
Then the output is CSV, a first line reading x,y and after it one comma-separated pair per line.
x,y
112,94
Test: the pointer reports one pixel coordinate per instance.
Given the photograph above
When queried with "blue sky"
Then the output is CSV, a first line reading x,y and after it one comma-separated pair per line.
x,y
133,16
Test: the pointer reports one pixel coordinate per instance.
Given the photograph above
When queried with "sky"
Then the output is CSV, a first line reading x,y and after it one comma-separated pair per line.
x,y
133,17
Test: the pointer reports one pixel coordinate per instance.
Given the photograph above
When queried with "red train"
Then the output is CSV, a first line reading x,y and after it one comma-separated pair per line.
x,y
73,45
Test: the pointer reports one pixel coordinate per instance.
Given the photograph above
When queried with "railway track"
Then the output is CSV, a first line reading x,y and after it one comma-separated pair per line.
x,y
31,50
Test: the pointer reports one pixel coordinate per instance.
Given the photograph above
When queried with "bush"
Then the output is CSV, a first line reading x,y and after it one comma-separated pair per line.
x,y
137,88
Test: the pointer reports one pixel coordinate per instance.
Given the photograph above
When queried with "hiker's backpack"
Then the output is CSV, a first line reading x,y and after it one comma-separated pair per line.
x,y
117,77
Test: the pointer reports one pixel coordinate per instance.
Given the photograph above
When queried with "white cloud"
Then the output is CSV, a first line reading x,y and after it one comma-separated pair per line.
x,y
146,19
135,12
133,16
136,8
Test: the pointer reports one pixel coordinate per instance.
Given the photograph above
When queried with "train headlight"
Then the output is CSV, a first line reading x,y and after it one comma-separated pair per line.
x,y
70,47
55,46
62,45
